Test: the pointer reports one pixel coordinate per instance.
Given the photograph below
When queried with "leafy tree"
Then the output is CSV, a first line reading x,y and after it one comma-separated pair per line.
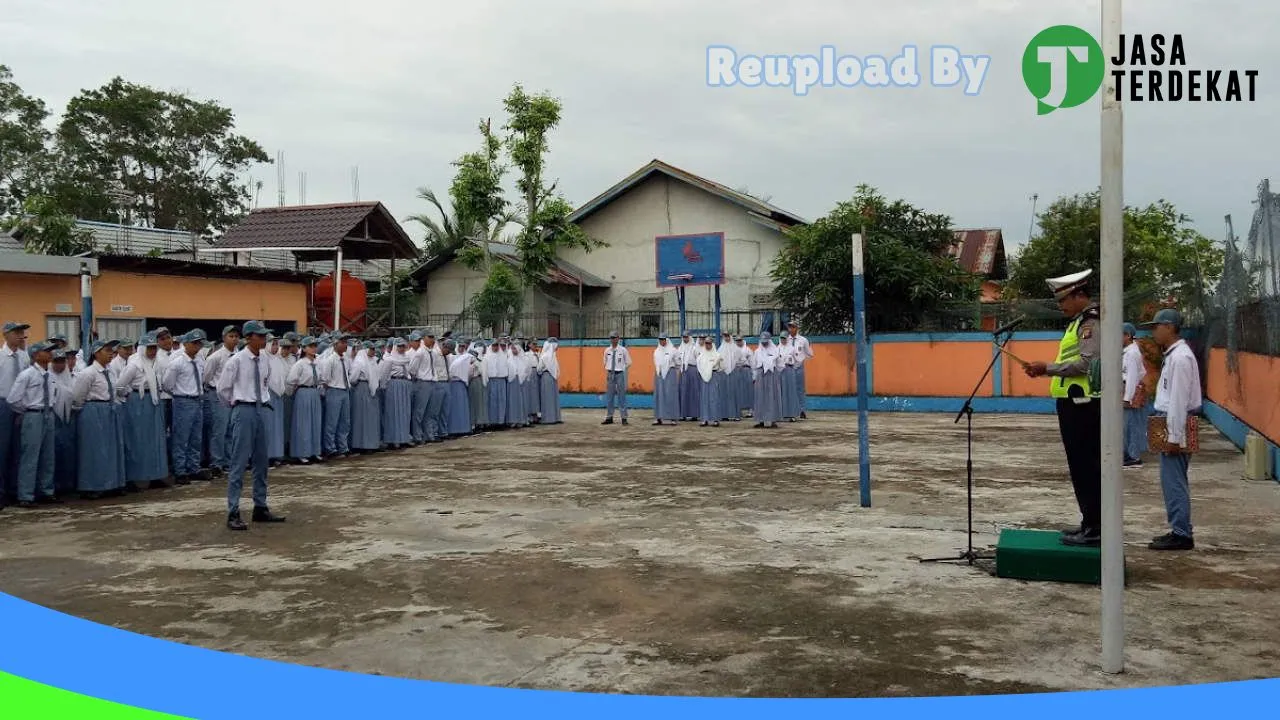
x,y
908,271
479,208
1163,256
546,226
447,233
141,156
406,300
499,302
46,230
24,144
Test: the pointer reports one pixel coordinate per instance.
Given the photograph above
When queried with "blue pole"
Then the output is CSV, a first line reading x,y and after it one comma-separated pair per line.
x,y
86,306
863,350
680,303
717,313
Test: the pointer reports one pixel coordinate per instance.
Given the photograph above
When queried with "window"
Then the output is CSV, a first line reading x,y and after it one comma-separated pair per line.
x,y
67,326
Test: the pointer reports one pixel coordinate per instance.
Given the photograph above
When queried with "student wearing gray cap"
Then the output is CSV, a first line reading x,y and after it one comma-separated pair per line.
x,y
616,362
32,398
243,387
1178,399
99,434
183,379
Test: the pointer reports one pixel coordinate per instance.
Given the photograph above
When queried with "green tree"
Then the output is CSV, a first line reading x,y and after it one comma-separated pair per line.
x,y
1163,256
908,271
544,212
499,302
140,156
24,144
442,235
479,207
45,229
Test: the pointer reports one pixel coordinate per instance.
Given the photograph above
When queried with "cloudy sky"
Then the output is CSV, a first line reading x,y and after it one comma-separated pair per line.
x,y
396,87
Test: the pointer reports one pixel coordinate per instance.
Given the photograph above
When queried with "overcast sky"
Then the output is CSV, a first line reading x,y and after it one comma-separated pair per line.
x,y
397,87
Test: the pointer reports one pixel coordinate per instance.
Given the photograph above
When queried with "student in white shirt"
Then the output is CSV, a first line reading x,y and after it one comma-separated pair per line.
x,y
1135,403
243,386
33,397
217,415
99,429
184,380
1177,397
616,362
336,372
13,360
803,354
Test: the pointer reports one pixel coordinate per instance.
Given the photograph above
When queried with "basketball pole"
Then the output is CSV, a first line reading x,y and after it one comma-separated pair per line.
x,y
1111,263
860,338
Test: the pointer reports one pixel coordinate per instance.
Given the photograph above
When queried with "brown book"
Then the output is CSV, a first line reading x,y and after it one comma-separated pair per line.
x,y
1158,433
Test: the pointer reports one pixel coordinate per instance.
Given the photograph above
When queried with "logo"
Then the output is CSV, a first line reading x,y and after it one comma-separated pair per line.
x,y
1062,67
947,67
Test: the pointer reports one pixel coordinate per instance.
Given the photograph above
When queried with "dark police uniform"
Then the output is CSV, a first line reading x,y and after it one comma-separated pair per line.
x,y
1077,396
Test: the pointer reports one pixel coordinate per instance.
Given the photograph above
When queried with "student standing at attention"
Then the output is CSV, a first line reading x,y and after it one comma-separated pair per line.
x,y
616,362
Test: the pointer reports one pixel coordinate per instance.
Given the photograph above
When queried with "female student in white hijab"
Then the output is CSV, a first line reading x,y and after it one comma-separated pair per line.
x,y
743,376
729,394
711,371
549,383
397,404
666,383
533,385
276,386
145,439
459,403
768,395
64,434
495,367
479,410
517,415
307,383
790,379
366,413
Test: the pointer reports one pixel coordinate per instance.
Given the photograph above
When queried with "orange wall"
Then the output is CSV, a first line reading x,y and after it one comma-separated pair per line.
x,y
946,368
29,298
1251,393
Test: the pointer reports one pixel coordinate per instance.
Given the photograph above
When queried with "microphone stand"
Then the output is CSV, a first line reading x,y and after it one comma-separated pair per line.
x,y
968,555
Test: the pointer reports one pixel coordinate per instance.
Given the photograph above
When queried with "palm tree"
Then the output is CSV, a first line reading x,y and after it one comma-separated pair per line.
x,y
444,235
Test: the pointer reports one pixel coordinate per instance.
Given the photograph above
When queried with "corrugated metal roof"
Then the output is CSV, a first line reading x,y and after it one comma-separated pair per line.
x,y
322,228
748,202
981,252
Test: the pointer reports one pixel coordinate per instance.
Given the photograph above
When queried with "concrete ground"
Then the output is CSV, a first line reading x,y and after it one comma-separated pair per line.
x,y
682,560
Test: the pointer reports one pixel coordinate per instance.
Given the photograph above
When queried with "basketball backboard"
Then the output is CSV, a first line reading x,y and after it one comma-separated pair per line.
x,y
689,260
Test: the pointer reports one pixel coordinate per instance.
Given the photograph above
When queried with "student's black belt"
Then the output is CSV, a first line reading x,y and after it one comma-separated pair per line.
x,y
188,397
246,402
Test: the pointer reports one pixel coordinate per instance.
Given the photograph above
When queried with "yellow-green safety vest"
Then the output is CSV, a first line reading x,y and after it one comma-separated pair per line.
x,y
1069,351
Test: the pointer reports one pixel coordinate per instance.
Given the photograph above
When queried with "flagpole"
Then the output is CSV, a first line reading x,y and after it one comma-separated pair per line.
x,y
1112,305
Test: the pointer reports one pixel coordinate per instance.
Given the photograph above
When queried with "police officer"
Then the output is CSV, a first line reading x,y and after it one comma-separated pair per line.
x,y
1075,388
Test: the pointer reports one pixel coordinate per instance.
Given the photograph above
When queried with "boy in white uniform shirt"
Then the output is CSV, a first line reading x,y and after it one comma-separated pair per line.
x,y
33,397
1177,397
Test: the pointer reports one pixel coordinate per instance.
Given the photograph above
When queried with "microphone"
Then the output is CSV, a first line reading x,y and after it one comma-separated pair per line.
x,y
1010,325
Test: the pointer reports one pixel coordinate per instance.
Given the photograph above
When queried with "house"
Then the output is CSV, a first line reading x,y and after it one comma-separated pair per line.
x,y
981,252
656,200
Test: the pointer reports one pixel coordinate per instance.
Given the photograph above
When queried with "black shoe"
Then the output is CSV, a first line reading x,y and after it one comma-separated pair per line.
x,y
624,421
759,425
703,425
264,515
217,472
159,484
657,422
1133,463
235,523
1173,541
715,424
183,480
804,416
607,421
131,489
1086,538
1073,531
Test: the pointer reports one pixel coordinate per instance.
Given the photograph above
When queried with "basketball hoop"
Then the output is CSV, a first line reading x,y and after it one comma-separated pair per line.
x,y
681,276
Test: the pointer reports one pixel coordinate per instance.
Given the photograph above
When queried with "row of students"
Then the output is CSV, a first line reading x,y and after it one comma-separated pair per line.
x,y
166,413
711,384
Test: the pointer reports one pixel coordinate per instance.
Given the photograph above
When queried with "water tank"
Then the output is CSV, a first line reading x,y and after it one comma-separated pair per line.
x,y
354,302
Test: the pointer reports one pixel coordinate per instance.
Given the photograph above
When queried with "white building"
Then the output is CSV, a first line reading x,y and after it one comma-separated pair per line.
x,y
656,200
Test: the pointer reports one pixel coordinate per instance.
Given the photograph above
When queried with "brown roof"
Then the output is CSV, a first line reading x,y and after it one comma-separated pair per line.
x,y
981,252
314,232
